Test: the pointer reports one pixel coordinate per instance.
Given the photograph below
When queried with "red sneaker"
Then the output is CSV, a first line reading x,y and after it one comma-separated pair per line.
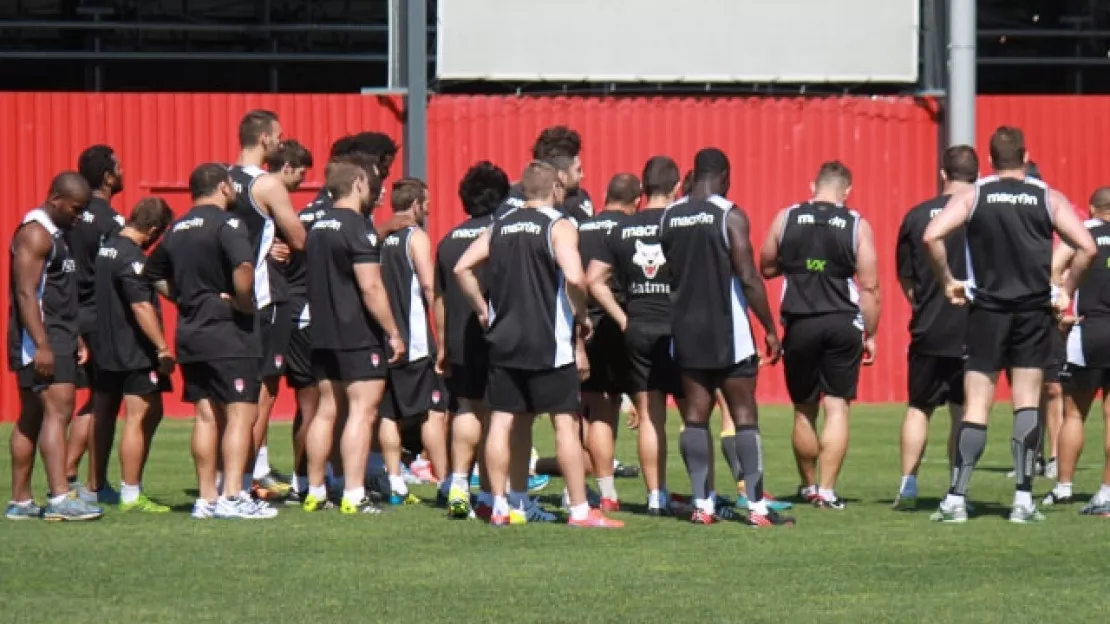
x,y
596,520
499,520
702,517
610,505
484,512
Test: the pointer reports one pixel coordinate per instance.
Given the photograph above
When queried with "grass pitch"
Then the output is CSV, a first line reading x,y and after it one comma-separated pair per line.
x,y
864,564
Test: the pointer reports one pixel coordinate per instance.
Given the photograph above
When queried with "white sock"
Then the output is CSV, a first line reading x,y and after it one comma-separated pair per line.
x,y
608,490
535,457
758,508
1103,494
460,480
580,512
262,463
25,503
518,500
706,505
1062,489
59,499
809,490
954,500
500,506
319,492
656,499
909,485
475,471
300,483
244,495
485,498
1023,499
354,496
397,484
826,494
129,493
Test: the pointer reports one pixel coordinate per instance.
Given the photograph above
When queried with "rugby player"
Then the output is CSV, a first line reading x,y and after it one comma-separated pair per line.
x,y
706,241
537,297
101,168
1010,219
134,360
45,349
830,314
205,265
937,328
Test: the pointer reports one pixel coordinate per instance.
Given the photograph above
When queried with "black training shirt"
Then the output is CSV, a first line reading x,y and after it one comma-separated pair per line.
x,y
119,342
592,236
93,225
636,256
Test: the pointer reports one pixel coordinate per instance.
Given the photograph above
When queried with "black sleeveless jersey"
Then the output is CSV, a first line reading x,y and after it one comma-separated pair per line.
x,y
817,256
592,234
936,326
577,205
532,324
57,297
1009,244
269,277
406,297
710,328
1092,298
634,253
464,334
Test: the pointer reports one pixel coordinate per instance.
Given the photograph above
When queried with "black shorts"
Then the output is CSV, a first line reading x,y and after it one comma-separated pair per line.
x,y
650,365
468,379
999,340
411,390
609,366
713,378
349,365
230,380
276,328
65,372
442,401
132,383
86,373
934,380
821,356
1057,358
1082,379
298,359
552,391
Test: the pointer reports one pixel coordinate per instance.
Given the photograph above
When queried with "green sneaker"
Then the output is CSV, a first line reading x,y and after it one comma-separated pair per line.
x,y
145,505
1025,515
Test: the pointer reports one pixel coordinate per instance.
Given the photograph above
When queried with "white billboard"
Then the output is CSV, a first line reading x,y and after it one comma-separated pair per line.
x,y
699,41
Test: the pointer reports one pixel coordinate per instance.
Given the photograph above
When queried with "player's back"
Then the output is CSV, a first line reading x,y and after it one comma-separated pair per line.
x,y
817,255
339,239
936,326
121,344
642,267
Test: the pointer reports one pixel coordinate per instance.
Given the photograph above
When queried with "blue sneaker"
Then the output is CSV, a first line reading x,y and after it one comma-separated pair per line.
x,y
772,503
71,509
26,511
534,513
537,482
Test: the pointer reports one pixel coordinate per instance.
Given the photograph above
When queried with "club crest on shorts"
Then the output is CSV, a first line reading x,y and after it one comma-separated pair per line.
x,y
239,385
278,361
435,396
154,377
375,359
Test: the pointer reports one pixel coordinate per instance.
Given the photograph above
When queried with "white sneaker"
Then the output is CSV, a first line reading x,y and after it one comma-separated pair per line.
x,y
203,510
242,508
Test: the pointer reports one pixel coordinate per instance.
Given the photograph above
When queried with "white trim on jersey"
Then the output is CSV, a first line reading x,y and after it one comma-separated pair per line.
x,y
969,283
725,205
418,312
1075,346
554,215
743,346
975,201
663,217
564,326
305,319
262,294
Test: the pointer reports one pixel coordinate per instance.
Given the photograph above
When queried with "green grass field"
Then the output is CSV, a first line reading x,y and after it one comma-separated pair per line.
x,y
864,564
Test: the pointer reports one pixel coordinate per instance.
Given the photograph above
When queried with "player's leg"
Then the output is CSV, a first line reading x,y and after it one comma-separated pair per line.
x,y
520,452
1052,406
466,440
308,401
801,352
603,410
204,446
320,435
838,373
1079,393
143,414
389,441
364,398
925,390
81,425
1028,351
265,485
1099,504
23,444
57,401
105,414
235,386
434,435
696,442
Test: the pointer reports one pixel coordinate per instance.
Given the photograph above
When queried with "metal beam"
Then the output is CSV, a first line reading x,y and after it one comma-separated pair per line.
x,y
192,27
1041,61
262,57
1044,33
416,83
961,72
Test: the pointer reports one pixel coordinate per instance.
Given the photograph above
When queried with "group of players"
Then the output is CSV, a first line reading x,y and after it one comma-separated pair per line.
x,y
533,305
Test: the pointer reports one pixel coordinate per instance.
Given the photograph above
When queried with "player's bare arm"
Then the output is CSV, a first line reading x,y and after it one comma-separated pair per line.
x,y
441,334
743,264
243,281
564,243
769,255
867,280
32,246
597,275
1075,235
147,319
270,193
954,215
474,256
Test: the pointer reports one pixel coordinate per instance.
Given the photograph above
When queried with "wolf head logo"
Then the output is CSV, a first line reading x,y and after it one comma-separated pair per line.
x,y
649,258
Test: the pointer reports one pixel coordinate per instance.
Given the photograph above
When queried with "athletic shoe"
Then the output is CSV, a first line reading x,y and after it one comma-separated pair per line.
x,y
771,519
905,501
596,520
476,482
311,503
269,487
772,502
294,498
458,504
144,505
409,477
240,508
626,471
422,469
809,496
407,499
609,505
107,495
1055,499
535,482
829,503
702,517
726,509
1052,469
83,492
71,509
484,512
1096,508
26,511
203,510
592,498
956,514
364,506
534,513
1021,514
500,520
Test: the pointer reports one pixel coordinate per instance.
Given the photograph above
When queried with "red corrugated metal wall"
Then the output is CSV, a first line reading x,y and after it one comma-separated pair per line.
x,y
775,145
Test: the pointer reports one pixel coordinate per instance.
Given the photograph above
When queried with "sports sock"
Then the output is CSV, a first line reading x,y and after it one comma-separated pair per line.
x,y
970,442
443,487
1023,498
732,458
57,500
460,480
129,493
1023,444
909,485
749,454
694,443
656,499
758,508
397,484
262,463
354,496
708,505
608,489
485,498
518,500
826,494
1103,494
1062,490
809,490
319,492
500,506
580,512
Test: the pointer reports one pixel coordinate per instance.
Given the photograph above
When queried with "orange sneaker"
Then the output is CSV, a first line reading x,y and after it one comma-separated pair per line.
x,y
610,505
499,520
596,520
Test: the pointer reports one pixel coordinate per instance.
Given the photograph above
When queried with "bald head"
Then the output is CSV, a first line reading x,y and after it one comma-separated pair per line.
x,y
69,193
623,192
1100,201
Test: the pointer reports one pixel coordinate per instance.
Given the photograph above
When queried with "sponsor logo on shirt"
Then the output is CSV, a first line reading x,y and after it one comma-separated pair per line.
x,y
467,233
525,227
592,226
838,222
373,238
328,224
1025,199
701,218
189,224
233,222
107,252
69,265
390,241
120,220
88,217
639,231
649,258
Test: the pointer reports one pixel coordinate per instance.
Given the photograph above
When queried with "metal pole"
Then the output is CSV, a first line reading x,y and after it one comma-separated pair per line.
x,y
961,72
416,83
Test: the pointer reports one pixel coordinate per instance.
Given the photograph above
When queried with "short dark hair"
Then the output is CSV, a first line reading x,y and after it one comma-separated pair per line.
x,y
206,178
96,162
660,175
538,180
1008,148
289,152
557,146
406,191
624,188
367,163
377,145
254,124
341,178
960,163
483,189
151,213
710,161
69,184
833,172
